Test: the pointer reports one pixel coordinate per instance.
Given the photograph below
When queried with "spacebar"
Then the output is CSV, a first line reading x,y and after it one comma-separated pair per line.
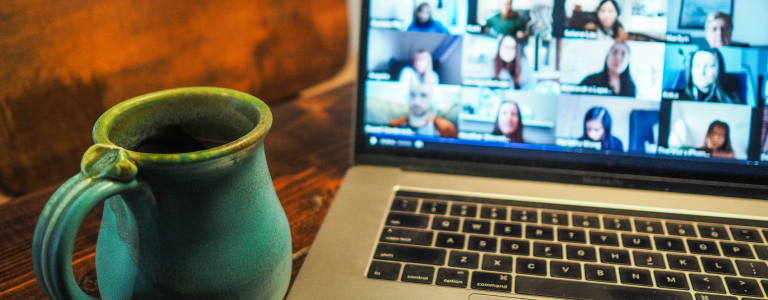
x,y
591,291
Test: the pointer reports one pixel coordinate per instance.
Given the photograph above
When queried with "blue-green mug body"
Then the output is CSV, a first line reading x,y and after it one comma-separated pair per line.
x,y
205,224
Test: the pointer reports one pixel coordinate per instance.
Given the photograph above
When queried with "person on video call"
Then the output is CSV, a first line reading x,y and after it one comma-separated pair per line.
x,y
597,128
608,25
509,122
423,22
718,140
422,71
706,80
421,117
510,64
615,75
718,29
506,22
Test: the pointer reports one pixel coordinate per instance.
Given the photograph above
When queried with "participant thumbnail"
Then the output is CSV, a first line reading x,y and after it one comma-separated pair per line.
x,y
720,75
620,20
764,137
434,16
507,116
713,24
708,130
614,124
519,18
407,56
627,69
412,109
509,63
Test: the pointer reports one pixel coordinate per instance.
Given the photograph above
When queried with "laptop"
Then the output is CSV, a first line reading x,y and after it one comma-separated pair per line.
x,y
553,149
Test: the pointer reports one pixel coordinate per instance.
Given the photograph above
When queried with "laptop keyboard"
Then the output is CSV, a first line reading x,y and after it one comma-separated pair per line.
x,y
569,251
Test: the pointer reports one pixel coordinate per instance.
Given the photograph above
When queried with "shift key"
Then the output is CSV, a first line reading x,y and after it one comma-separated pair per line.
x,y
410,254
407,236
407,220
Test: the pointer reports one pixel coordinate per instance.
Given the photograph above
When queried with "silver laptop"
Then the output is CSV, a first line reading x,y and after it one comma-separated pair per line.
x,y
553,149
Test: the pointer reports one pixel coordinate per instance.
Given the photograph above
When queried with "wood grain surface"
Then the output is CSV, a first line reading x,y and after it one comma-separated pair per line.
x,y
308,151
66,62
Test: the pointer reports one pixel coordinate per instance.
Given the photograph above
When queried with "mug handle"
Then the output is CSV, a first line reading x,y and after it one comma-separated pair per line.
x,y
106,171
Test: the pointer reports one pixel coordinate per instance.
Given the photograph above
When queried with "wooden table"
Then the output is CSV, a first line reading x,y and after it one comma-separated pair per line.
x,y
308,150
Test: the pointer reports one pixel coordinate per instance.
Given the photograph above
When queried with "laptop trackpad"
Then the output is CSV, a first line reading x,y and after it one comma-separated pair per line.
x,y
487,297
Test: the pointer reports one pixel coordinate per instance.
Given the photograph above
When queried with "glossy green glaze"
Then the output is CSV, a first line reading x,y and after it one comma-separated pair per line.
x,y
198,225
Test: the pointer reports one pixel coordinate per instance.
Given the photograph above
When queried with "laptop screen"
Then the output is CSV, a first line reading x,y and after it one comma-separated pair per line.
x,y
633,86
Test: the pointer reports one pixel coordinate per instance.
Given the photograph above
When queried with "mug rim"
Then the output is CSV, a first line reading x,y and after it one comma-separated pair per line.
x,y
104,124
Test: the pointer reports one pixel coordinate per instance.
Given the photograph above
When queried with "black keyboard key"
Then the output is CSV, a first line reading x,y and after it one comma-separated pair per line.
x,y
492,281
571,235
449,240
616,223
467,260
635,276
479,227
703,247
591,291
384,270
761,251
713,232
746,235
752,268
452,277
586,221
539,233
603,238
524,215
581,253
547,250
737,250
508,229
718,265
649,259
743,287
671,280
531,266
404,205
681,229
714,297
554,218
406,220
434,207
669,244
614,256
418,274
648,226
446,224
493,212
407,236
599,273
464,210
564,269
517,247
410,254
707,283
482,243
636,241
497,263
683,263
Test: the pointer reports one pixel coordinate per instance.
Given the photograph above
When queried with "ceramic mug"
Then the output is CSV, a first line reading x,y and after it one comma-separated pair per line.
x,y
190,210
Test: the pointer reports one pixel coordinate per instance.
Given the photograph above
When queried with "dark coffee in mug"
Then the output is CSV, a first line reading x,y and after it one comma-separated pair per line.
x,y
175,139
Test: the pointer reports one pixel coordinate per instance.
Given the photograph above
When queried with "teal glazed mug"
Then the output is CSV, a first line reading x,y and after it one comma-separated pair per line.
x,y
190,211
